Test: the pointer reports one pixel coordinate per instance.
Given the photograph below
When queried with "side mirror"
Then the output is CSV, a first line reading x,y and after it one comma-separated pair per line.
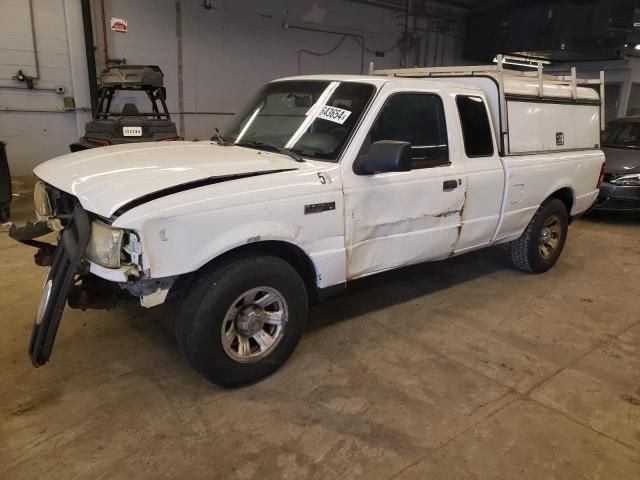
x,y
386,156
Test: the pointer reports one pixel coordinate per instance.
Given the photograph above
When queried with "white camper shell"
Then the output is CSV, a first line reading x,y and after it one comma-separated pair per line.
x,y
571,119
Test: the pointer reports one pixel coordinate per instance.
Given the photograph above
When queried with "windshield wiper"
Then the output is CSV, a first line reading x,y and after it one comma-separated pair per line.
x,y
220,140
282,150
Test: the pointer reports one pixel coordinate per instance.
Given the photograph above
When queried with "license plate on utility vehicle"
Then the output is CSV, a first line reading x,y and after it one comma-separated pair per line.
x,y
132,131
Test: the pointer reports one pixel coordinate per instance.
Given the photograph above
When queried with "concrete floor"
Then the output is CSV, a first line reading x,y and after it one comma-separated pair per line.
x,y
459,369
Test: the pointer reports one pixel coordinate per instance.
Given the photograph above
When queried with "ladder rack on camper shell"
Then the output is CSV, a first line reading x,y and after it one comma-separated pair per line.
x,y
534,85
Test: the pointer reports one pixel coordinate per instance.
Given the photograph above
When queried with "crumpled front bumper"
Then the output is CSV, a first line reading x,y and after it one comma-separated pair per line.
x,y
66,264
28,233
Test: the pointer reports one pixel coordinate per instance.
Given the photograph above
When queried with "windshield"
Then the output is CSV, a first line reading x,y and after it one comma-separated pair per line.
x,y
624,135
311,118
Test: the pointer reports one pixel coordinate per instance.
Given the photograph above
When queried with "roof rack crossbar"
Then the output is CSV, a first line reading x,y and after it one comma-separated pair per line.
x,y
500,68
499,71
540,81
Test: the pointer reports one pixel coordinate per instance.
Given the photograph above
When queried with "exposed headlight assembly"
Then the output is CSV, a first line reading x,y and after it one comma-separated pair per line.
x,y
105,244
41,201
632,180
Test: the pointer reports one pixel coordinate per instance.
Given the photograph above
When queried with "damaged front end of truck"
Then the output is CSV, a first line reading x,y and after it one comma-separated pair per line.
x,y
93,265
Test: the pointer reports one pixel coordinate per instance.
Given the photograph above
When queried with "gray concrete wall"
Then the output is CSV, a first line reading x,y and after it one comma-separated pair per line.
x,y
32,122
232,49
227,53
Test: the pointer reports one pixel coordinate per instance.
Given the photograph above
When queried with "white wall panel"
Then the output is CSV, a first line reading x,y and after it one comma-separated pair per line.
x,y
33,137
234,48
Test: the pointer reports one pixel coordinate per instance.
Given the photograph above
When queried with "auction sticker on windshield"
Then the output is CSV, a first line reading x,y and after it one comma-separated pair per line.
x,y
334,114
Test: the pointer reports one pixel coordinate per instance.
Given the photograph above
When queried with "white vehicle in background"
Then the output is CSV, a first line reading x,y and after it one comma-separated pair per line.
x,y
320,180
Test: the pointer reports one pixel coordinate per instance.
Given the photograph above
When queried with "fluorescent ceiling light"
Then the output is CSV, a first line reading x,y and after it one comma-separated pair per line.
x,y
521,61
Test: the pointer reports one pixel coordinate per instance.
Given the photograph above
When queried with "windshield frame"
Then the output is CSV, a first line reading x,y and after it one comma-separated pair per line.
x,y
244,111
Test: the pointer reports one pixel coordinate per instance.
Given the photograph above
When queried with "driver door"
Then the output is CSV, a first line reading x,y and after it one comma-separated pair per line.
x,y
399,218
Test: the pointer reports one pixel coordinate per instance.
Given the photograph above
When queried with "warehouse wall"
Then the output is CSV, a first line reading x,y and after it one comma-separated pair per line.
x,y
233,48
31,121
227,51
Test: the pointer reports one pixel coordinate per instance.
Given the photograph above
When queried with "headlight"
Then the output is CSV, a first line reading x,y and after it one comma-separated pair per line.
x,y
632,180
105,244
41,200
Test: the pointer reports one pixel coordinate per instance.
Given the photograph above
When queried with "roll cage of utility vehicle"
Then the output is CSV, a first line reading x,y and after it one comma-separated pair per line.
x,y
129,125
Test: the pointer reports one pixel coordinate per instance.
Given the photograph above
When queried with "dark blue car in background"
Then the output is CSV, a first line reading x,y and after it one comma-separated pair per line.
x,y
620,190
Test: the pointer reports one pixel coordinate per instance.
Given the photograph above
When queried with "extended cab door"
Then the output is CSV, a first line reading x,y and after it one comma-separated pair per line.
x,y
485,173
399,218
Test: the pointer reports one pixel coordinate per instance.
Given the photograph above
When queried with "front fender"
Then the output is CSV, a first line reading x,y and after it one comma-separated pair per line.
x,y
170,247
182,232
176,246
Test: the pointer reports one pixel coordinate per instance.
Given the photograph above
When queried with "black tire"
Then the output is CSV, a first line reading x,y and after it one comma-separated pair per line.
x,y
526,252
200,320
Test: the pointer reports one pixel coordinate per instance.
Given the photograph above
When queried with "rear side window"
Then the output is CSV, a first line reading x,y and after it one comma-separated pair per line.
x,y
476,130
416,118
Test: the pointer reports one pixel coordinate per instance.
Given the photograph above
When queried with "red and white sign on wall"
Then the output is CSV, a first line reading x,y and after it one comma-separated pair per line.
x,y
119,25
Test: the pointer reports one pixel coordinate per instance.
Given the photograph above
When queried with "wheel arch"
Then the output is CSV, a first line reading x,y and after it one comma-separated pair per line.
x,y
287,251
567,196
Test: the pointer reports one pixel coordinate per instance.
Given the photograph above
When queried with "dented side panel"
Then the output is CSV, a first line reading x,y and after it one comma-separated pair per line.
x,y
484,194
400,218
406,220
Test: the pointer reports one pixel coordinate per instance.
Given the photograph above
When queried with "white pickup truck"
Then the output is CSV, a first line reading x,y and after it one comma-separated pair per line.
x,y
318,181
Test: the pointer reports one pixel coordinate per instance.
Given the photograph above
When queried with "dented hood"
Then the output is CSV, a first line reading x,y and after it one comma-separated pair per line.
x,y
104,179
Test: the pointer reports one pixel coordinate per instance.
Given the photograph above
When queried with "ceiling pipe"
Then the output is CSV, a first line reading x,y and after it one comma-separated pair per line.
x,y
425,11
33,38
105,44
90,50
105,50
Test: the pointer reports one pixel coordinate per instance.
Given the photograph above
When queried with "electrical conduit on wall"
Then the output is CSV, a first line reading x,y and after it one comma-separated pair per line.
x,y
183,133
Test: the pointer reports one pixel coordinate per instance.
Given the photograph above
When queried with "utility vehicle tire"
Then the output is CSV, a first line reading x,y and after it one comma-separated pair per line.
x,y
242,319
540,245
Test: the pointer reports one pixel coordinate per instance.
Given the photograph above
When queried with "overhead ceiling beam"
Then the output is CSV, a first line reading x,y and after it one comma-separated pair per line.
x,y
402,4
452,11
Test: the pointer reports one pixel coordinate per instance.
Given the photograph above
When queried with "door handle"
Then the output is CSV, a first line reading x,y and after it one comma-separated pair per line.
x,y
449,185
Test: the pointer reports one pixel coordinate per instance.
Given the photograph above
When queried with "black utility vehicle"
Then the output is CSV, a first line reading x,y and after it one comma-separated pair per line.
x,y
129,125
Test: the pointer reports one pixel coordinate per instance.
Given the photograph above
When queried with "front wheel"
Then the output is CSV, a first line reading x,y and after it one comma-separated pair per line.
x,y
242,320
540,245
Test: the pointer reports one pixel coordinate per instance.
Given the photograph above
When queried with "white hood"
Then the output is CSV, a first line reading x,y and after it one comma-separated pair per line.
x,y
105,178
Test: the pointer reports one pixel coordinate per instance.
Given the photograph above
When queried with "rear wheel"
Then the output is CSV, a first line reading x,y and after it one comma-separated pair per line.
x,y
242,320
540,245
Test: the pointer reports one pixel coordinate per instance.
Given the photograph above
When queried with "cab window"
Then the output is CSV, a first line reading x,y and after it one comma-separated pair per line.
x,y
416,118
476,131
